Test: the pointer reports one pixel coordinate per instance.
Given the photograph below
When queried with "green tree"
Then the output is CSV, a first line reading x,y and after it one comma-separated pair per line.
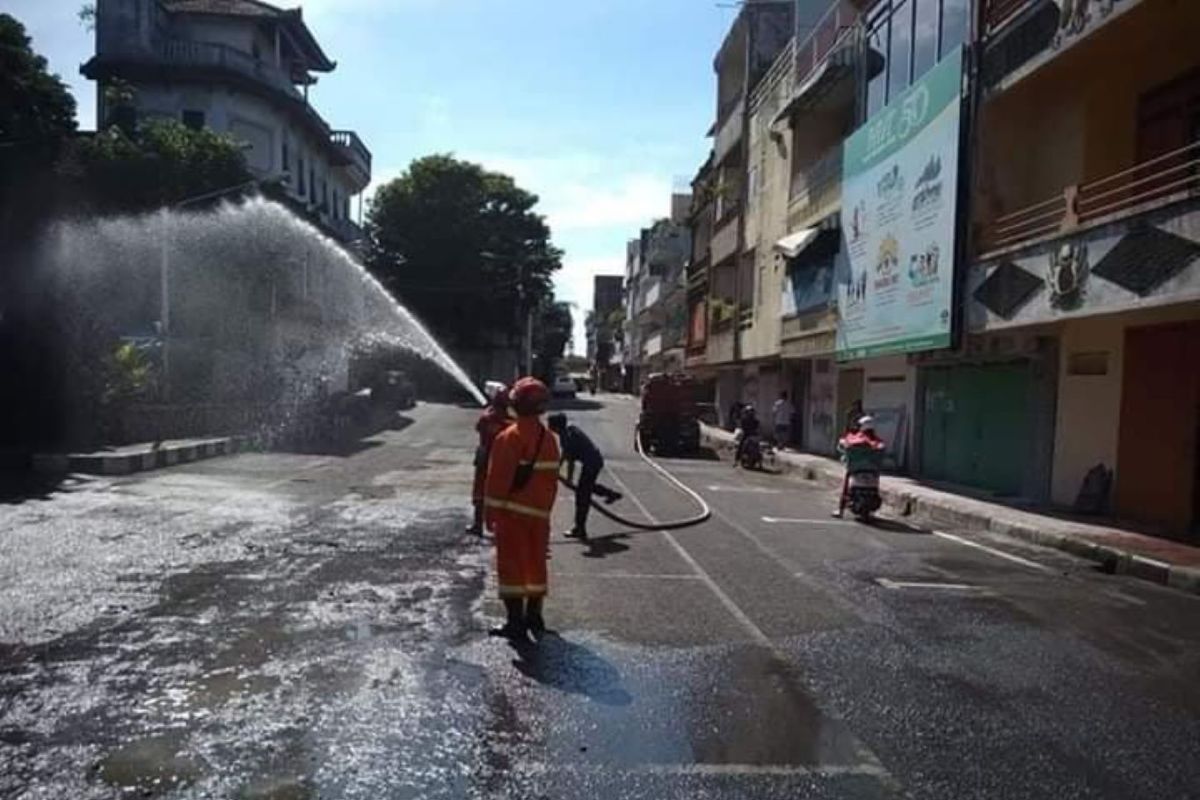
x,y
463,248
37,112
552,331
159,163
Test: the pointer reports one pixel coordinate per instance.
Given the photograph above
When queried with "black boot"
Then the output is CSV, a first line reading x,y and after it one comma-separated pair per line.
x,y
578,532
476,526
514,628
533,617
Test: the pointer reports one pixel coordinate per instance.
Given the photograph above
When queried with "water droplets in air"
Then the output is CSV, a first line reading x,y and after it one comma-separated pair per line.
x,y
258,306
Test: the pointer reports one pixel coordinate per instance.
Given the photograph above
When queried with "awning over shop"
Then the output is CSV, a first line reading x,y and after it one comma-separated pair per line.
x,y
793,244
813,243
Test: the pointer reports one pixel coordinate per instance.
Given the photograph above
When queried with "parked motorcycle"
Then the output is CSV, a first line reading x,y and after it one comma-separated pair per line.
x,y
864,498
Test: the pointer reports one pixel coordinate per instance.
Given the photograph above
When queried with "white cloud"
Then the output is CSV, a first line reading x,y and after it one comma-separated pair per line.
x,y
579,191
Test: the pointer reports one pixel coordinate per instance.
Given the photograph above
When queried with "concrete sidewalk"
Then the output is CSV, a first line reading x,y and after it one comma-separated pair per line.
x,y
139,457
1121,551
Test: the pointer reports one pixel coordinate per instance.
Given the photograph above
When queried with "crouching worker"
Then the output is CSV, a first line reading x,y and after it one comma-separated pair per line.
x,y
522,479
577,447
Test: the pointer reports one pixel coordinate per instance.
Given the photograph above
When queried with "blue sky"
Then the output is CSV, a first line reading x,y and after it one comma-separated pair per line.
x,y
598,106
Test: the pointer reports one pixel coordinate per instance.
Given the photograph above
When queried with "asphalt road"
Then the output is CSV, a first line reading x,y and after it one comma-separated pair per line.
x,y
313,626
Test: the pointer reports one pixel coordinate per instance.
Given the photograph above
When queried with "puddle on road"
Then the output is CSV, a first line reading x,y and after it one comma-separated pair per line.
x,y
153,766
599,705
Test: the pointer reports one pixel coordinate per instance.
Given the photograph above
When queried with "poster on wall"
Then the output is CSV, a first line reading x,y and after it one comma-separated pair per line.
x,y
899,188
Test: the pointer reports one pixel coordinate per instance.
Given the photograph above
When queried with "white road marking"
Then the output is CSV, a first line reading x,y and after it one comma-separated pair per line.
x,y
887,583
654,576
743,489
727,601
870,762
799,521
998,553
869,769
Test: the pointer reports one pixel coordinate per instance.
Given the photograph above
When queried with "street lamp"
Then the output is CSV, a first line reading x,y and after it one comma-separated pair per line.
x,y
164,272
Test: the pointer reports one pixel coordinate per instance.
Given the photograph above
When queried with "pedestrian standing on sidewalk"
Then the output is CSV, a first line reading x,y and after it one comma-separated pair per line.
x,y
522,480
494,419
576,446
783,411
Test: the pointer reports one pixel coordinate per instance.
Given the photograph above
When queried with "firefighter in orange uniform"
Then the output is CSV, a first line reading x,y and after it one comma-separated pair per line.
x,y
492,421
522,479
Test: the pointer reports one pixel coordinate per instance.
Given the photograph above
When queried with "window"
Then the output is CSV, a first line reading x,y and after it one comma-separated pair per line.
x,y
954,24
925,36
905,38
334,208
301,189
193,119
286,162
877,65
312,181
900,52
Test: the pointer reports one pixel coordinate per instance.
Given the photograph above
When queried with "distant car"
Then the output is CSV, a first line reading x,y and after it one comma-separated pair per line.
x,y
563,386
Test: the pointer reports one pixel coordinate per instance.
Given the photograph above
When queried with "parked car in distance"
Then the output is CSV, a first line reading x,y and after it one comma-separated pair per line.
x,y
563,386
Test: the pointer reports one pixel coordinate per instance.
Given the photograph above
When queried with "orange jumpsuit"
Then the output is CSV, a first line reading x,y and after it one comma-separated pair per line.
x,y
491,423
521,519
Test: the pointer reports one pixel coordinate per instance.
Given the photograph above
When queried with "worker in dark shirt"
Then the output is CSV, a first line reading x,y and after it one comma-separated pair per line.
x,y
575,446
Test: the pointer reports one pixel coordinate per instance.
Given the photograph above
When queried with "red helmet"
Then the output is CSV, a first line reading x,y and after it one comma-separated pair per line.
x,y
529,396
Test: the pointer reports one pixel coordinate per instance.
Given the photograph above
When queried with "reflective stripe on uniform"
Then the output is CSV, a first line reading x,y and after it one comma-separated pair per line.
x,y
546,465
519,508
519,590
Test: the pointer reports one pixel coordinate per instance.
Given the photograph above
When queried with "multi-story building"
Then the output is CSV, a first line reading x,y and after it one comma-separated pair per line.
x,y
721,278
979,222
607,294
1083,286
240,67
655,295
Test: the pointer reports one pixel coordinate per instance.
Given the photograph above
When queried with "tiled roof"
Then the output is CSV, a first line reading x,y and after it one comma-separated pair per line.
x,y
235,8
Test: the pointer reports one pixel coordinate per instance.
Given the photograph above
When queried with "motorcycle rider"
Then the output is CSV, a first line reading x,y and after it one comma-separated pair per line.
x,y
750,427
862,451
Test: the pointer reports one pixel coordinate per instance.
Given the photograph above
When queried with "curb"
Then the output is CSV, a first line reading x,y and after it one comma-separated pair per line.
x,y
905,504
146,457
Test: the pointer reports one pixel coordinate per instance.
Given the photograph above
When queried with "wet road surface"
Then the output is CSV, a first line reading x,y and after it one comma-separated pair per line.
x,y
313,626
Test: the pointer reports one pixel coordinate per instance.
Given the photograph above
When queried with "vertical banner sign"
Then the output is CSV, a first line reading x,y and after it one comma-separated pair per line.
x,y
899,191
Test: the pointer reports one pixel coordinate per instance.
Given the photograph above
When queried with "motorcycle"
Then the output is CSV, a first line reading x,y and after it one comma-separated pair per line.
x,y
863,494
750,451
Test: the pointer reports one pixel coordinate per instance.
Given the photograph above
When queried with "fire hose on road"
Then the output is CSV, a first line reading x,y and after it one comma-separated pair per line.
x,y
672,525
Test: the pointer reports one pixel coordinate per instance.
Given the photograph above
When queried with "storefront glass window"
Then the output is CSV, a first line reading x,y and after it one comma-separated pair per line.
x,y
954,24
900,53
925,39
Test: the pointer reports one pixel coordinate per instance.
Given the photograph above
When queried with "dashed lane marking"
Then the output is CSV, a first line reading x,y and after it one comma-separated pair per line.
x,y
888,583
998,553
800,521
742,489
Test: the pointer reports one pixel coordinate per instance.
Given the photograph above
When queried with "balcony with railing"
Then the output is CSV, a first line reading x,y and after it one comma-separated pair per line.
x,y
212,55
817,189
998,13
352,153
833,29
1146,186
729,133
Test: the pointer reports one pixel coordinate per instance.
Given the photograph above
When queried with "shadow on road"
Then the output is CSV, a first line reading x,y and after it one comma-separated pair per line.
x,y
346,440
574,404
894,526
570,667
19,485
703,454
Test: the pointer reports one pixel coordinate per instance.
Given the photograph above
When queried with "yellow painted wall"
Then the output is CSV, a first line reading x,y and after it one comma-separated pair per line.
x,y
1075,118
1088,419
